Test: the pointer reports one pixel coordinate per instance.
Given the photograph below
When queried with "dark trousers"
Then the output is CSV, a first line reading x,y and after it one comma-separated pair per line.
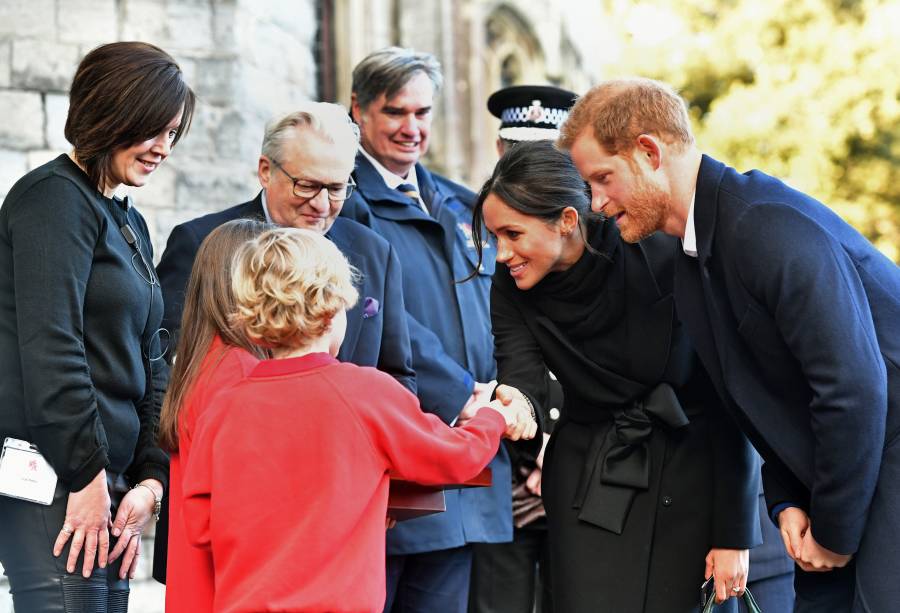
x,y
431,582
773,594
38,581
512,577
869,583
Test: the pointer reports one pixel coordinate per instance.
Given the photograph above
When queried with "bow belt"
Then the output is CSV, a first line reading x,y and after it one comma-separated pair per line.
x,y
617,464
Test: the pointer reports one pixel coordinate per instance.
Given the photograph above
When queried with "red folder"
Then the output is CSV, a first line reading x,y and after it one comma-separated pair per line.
x,y
408,500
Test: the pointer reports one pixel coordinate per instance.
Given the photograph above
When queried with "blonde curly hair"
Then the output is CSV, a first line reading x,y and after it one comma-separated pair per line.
x,y
288,284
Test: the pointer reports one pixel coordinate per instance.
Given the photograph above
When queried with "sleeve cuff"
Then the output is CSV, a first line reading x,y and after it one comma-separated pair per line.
x,y
97,462
778,508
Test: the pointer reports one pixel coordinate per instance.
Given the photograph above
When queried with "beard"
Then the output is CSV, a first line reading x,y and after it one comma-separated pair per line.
x,y
647,211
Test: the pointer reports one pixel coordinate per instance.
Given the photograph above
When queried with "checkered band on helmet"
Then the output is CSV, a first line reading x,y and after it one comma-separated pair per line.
x,y
526,115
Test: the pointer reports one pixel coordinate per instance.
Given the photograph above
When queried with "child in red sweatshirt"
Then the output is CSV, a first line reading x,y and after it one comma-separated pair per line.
x,y
288,478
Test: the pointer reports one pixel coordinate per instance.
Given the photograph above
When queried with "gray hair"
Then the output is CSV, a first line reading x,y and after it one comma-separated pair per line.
x,y
329,121
387,71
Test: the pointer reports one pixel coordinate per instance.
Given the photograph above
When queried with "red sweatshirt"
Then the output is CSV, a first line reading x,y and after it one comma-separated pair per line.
x,y
189,570
288,480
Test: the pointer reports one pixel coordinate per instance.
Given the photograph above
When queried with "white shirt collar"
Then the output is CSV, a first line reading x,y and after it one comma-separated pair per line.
x,y
689,242
266,207
394,180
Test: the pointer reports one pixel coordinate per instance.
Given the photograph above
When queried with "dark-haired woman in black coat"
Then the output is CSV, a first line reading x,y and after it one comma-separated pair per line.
x,y
81,379
649,487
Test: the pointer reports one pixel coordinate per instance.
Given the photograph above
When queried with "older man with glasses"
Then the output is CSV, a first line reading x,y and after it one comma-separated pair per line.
x,y
304,170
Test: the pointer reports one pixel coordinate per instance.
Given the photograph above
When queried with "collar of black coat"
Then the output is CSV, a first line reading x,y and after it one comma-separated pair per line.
x,y
705,209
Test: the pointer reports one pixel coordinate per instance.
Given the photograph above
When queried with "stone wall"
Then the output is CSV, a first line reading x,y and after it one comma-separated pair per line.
x,y
245,59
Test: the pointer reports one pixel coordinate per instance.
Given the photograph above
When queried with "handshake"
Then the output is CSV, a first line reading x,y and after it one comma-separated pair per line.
x,y
512,404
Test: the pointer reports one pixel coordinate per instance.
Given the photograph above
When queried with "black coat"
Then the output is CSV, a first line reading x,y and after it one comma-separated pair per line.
x,y
79,318
623,539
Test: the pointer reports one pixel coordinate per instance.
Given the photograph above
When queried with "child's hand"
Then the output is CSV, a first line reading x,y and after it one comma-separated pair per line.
x,y
517,414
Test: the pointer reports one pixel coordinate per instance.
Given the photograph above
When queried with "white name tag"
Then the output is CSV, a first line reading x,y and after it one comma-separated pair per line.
x,y
25,474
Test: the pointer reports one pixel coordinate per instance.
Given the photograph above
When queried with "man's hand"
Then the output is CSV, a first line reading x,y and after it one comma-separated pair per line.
x,y
802,547
729,567
814,557
793,523
481,395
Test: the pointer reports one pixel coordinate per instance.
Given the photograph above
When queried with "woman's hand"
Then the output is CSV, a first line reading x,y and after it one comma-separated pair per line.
x,y
87,518
481,395
729,567
131,519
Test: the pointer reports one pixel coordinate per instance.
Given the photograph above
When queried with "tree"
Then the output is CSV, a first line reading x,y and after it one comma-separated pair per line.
x,y
807,90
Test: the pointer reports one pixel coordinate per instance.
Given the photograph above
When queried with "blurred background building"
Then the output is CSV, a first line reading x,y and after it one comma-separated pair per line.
x,y
808,90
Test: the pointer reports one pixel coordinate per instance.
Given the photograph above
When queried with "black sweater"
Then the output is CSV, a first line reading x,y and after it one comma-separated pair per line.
x,y
78,324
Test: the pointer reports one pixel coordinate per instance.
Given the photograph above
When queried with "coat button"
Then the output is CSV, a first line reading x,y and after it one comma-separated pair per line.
x,y
667,501
554,413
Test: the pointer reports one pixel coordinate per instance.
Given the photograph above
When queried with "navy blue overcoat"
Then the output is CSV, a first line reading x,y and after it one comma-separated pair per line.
x,y
796,317
450,334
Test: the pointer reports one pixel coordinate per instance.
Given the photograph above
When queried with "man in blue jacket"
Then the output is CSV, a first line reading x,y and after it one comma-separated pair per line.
x,y
795,316
304,169
427,218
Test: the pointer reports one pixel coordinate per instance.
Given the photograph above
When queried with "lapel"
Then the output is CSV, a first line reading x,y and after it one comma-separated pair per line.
x,y
436,200
252,209
695,295
339,235
649,313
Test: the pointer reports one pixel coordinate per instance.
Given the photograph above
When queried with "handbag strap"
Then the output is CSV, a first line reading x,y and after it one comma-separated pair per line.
x,y
749,602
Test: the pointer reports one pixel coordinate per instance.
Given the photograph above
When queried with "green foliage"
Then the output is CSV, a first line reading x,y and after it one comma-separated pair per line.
x,y
807,90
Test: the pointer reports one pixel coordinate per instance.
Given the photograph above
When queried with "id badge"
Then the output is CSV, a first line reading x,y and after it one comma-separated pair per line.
x,y
25,474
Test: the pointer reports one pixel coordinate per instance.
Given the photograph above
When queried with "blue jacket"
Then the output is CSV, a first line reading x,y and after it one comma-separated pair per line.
x,y
797,319
376,338
450,334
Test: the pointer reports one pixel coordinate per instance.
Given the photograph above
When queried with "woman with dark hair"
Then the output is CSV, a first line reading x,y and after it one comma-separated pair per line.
x,y
211,356
648,487
81,374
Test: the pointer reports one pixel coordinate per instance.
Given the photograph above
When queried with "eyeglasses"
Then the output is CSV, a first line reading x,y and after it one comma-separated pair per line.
x,y
308,190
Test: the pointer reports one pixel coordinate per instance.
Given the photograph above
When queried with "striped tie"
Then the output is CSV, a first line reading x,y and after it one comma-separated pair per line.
x,y
409,190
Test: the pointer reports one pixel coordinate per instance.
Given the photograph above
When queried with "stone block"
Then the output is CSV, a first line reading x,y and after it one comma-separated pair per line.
x,y
38,64
27,131
28,19
227,23
57,108
42,156
204,188
159,191
145,20
215,80
285,55
190,26
87,22
13,164
5,65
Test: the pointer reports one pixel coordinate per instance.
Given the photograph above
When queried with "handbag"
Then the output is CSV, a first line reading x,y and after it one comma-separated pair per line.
x,y
708,599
